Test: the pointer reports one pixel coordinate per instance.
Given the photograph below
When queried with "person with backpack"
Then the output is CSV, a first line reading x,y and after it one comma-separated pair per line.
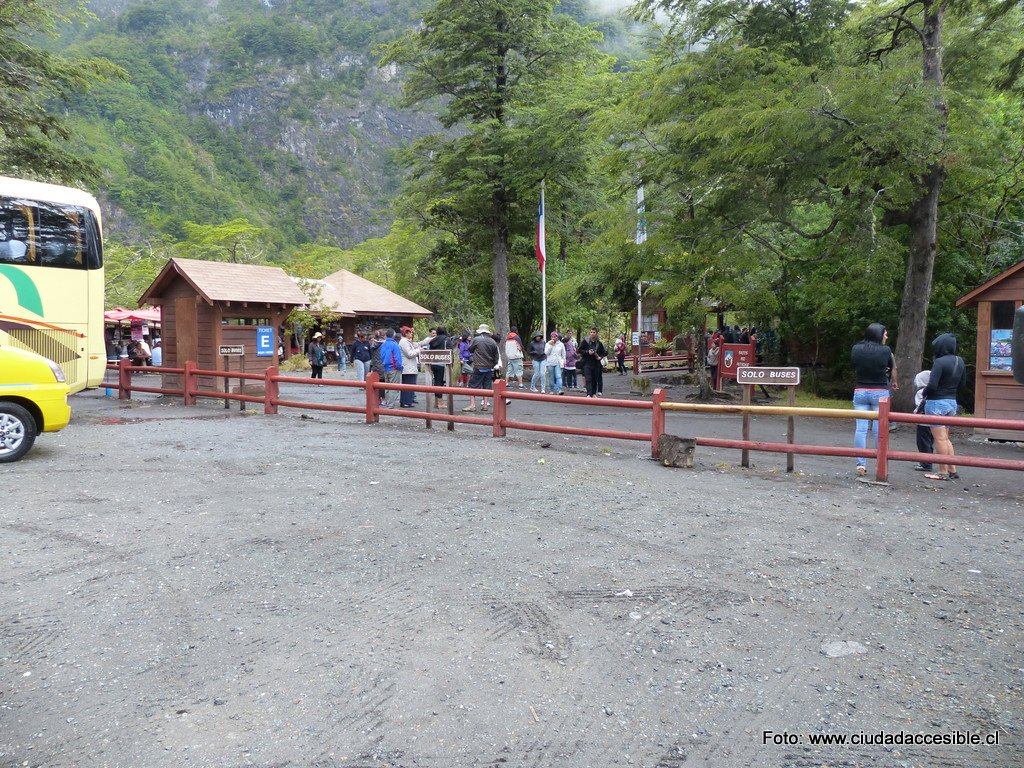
x,y
317,355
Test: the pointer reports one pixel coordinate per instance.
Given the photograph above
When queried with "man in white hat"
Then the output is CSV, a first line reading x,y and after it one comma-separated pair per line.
x,y
484,357
317,354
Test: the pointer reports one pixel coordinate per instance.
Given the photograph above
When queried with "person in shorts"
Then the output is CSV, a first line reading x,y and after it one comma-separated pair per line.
x,y
948,374
484,358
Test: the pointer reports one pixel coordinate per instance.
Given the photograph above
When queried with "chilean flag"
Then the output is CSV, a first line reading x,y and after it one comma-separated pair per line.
x,y
540,246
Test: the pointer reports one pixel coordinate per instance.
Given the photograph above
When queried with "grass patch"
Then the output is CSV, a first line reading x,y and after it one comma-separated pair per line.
x,y
806,399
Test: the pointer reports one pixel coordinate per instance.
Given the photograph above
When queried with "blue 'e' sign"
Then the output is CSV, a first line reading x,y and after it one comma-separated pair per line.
x,y
264,341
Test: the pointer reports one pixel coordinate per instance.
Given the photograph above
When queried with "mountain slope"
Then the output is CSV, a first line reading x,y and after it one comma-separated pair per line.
x,y
272,111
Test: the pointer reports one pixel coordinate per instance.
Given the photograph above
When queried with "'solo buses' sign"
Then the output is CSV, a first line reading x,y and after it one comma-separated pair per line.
x,y
779,377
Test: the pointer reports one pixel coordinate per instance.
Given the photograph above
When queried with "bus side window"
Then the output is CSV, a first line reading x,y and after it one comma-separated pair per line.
x,y
60,237
13,251
93,248
14,235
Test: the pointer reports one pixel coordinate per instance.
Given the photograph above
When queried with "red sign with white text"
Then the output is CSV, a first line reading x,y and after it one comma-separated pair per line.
x,y
735,356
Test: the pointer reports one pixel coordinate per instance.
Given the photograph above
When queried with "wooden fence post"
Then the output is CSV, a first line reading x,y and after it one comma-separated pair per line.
x,y
124,379
188,387
882,456
271,391
372,398
500,412
657,421
790,427
748,391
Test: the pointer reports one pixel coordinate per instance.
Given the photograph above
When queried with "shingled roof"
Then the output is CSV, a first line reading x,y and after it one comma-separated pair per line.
x,y
218,281
349,294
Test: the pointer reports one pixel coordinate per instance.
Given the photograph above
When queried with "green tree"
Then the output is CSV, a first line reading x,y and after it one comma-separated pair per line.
x,y
32,78
487,64
316,313
798,163
130,269
236,241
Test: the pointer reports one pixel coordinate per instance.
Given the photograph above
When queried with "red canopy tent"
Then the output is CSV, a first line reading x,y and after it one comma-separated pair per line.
x,y
119,315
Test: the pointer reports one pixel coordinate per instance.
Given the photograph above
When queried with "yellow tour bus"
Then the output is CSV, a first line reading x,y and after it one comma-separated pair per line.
x,y
51,277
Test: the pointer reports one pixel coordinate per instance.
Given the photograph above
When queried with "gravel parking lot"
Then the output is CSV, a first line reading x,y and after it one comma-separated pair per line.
x,y
198,587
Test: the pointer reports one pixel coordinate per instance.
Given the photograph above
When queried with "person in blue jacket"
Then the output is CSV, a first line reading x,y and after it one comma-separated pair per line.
x,y
391,362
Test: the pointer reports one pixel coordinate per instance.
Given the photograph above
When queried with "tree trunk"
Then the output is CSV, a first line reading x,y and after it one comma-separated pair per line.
x,y
917,289
923,218
499,265
705,392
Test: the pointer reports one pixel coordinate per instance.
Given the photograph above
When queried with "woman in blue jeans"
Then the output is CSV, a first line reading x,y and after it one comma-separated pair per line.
x,y
948,374
874,367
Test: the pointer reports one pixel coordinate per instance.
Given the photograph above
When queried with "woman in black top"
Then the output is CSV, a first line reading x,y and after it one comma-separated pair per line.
x,y
948,374
875,369
591,351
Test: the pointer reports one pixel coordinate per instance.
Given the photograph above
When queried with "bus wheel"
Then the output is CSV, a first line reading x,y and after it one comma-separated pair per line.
x,y
17,431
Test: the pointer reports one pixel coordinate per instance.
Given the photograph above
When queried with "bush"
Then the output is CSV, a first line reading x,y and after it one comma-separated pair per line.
x,y
295,363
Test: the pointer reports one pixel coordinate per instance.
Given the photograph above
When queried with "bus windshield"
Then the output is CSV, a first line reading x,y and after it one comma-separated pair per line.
x,y
51,277
48,235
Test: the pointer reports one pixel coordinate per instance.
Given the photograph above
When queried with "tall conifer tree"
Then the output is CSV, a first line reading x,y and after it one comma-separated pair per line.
x,y
488,63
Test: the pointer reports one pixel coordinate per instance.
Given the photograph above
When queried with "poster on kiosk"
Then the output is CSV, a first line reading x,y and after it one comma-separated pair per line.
x,y
735,356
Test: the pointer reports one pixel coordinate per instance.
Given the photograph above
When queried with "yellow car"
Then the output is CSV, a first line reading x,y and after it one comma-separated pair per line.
x,y
33,399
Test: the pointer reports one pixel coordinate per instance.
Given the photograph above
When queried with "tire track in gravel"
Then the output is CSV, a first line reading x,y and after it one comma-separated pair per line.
x,y
26,637
531,621
677,600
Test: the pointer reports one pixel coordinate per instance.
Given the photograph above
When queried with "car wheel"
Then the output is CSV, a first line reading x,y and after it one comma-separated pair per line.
x,y
17,431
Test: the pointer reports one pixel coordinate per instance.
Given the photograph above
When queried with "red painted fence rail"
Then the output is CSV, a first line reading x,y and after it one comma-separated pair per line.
x,y
499,422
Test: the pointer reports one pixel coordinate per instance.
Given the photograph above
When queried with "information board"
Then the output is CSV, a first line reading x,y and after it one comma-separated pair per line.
x,y
779,377
437,356
264,341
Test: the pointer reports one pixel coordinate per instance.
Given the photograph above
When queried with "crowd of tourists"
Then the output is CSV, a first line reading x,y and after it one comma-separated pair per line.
x,y
558,364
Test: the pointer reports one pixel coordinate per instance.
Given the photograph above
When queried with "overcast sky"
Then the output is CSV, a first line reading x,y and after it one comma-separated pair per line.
x,y
610,5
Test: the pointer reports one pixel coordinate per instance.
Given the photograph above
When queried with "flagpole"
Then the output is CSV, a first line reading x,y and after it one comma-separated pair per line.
x,y
544,266
641,238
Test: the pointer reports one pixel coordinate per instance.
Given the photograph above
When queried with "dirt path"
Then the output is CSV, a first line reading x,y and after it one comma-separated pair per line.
x,y
185,588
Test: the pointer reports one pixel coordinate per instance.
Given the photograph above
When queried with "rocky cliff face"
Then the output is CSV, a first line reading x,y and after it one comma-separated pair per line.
x,y
324,129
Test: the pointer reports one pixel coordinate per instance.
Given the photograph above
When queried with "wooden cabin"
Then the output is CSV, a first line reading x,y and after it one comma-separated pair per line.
x,y
997,394
212,307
